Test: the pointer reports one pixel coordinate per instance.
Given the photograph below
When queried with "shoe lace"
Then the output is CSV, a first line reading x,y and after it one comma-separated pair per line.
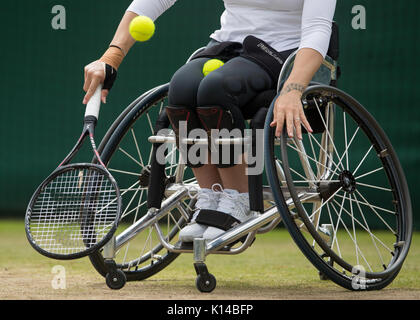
x,y
229,202
203,201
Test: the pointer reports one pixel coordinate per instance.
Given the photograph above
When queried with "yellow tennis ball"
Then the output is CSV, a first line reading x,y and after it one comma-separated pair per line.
x,y
212,65
142,28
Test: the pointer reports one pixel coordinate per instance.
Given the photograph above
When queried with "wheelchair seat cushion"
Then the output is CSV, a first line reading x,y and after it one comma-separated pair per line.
x,y
261,100
217,219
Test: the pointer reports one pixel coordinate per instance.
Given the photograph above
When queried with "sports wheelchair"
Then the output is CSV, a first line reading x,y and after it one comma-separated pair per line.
x,y
340,192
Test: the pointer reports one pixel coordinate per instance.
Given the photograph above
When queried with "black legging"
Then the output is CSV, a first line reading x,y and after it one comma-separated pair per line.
x,y
233,85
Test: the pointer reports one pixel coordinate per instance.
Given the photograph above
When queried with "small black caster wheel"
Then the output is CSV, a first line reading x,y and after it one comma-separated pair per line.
x,y
116,280
205,283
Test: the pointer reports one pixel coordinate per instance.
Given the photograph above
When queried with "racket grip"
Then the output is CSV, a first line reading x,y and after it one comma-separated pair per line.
x,y
94,104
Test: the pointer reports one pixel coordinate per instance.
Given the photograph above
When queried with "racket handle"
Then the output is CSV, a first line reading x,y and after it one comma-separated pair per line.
x,y
94,104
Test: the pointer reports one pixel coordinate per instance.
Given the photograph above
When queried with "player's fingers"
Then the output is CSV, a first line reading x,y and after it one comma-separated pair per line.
x,y
274,122
104,94
92,88
88,80
279,124
298,125
305,122
85,71
289,124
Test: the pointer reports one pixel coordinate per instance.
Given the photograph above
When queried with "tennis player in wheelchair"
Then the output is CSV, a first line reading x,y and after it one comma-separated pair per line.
x,y
254,40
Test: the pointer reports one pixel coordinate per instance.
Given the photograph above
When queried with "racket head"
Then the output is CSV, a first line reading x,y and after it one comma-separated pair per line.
x,y
74,212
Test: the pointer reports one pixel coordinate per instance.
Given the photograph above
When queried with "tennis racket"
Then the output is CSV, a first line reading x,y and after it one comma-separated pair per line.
x,y
76,210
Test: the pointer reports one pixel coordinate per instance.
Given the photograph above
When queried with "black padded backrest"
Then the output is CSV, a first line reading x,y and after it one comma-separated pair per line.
x,y
333,50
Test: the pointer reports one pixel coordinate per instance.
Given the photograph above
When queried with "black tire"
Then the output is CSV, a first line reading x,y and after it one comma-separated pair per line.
x,y
205,282
145,107
313,246
116,280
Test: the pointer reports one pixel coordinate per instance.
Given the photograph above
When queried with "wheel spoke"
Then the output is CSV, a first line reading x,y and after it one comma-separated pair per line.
x,y
294,171
150,122
346,151
345,140
137,174
134,220
149,238
357,248
376,212
310,158
327,131
139,188
134,209
354,229
374,187
129,203
330,198
369,232
314,156
334,233
175,221
137,147
131,157
161,107
323,150
369,173
335,229
365,203
364,228
363,160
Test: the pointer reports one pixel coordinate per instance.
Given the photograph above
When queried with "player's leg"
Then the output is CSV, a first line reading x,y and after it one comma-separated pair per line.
x,y
183,96
224,90
182,100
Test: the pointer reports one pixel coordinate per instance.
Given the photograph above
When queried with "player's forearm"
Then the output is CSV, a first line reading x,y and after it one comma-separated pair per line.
x,y
122,39
306,64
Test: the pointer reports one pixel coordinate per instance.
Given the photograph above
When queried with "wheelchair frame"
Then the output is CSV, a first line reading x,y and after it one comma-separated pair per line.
x,y
262,223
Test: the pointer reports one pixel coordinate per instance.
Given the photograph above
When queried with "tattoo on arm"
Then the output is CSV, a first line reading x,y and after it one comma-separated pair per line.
x,y
292,87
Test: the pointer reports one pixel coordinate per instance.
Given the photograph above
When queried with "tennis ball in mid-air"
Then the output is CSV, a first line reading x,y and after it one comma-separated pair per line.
x,y
212,65
142,28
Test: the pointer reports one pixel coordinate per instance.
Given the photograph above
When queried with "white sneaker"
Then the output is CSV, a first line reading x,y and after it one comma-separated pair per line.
x,y
233,203
206,199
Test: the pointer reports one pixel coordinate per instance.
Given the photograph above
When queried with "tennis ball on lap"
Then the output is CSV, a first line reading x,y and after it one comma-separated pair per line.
x,y
212,65
142,28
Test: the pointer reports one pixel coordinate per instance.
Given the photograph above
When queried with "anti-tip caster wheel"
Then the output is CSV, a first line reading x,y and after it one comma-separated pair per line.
x,y
205,283
116,280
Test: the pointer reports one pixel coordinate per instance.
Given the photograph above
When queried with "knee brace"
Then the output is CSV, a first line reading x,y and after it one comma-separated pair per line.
x,y
221,123
185,120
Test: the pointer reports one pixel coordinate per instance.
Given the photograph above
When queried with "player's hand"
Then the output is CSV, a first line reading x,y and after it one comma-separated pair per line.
x,y
288,108
94,75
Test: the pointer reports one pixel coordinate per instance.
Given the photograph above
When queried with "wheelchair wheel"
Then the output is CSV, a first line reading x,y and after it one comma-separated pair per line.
x,y
348,207
127,152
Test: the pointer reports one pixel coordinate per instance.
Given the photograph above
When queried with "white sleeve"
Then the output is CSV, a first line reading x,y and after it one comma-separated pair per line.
x,y
150,8
317,20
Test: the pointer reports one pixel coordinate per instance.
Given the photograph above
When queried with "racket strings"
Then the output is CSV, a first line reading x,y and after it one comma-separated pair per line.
x,y
74,211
